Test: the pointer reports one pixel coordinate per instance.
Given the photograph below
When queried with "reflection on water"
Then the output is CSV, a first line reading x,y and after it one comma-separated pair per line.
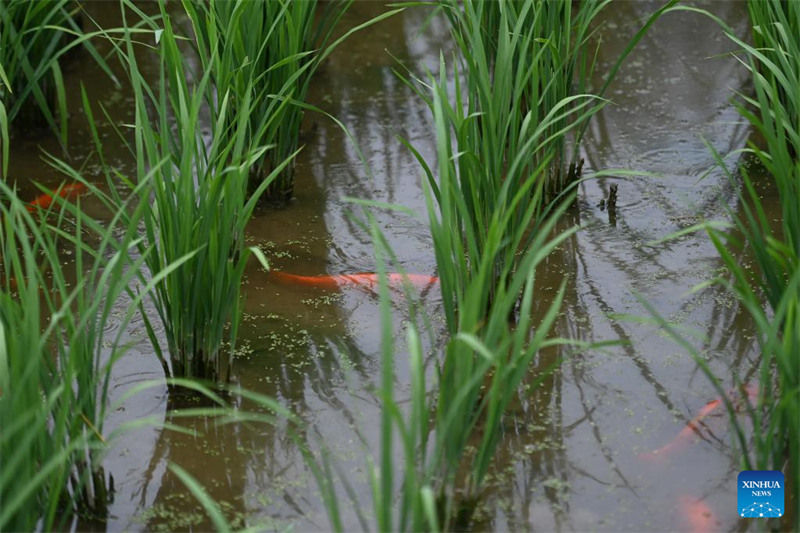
x,y
568,459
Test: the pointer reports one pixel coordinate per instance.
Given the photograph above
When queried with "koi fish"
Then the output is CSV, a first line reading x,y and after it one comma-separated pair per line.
x,y
698,514
367,280
44,201
694,426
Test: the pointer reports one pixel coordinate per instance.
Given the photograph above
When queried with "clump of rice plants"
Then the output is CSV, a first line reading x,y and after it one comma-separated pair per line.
x,y
270,51
517,74
776,26
488,198
774,62
771,292
489,238
521,60
54,361
34,36
195,210
30,46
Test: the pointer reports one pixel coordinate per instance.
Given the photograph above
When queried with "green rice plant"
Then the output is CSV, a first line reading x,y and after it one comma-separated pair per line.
x,y
196,208
30,396
521,60
776,26
29,48
491,229
34,37
770,292
491,224
269,50
489,199
492,138
488,238
774,63
54,362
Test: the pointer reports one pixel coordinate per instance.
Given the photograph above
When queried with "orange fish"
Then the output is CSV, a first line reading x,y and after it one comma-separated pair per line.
x,y
367,280
44,201
700,517
694,427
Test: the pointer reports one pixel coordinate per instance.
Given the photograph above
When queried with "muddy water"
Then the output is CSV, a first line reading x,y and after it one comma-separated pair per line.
x,y
572,454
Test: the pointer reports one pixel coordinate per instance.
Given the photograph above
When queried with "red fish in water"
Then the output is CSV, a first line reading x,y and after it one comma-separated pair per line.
x,y
71,190
694,427
699,515
367,280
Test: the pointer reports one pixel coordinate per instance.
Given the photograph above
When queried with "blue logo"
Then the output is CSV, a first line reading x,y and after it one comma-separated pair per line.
x,y
760,493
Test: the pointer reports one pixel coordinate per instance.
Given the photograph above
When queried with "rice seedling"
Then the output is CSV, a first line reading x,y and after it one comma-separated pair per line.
x,y
473,188
521,60
489,237
776,26
509,58
774,63
518,59
54,362
34,37
771,292
196,208
270,51
30,397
